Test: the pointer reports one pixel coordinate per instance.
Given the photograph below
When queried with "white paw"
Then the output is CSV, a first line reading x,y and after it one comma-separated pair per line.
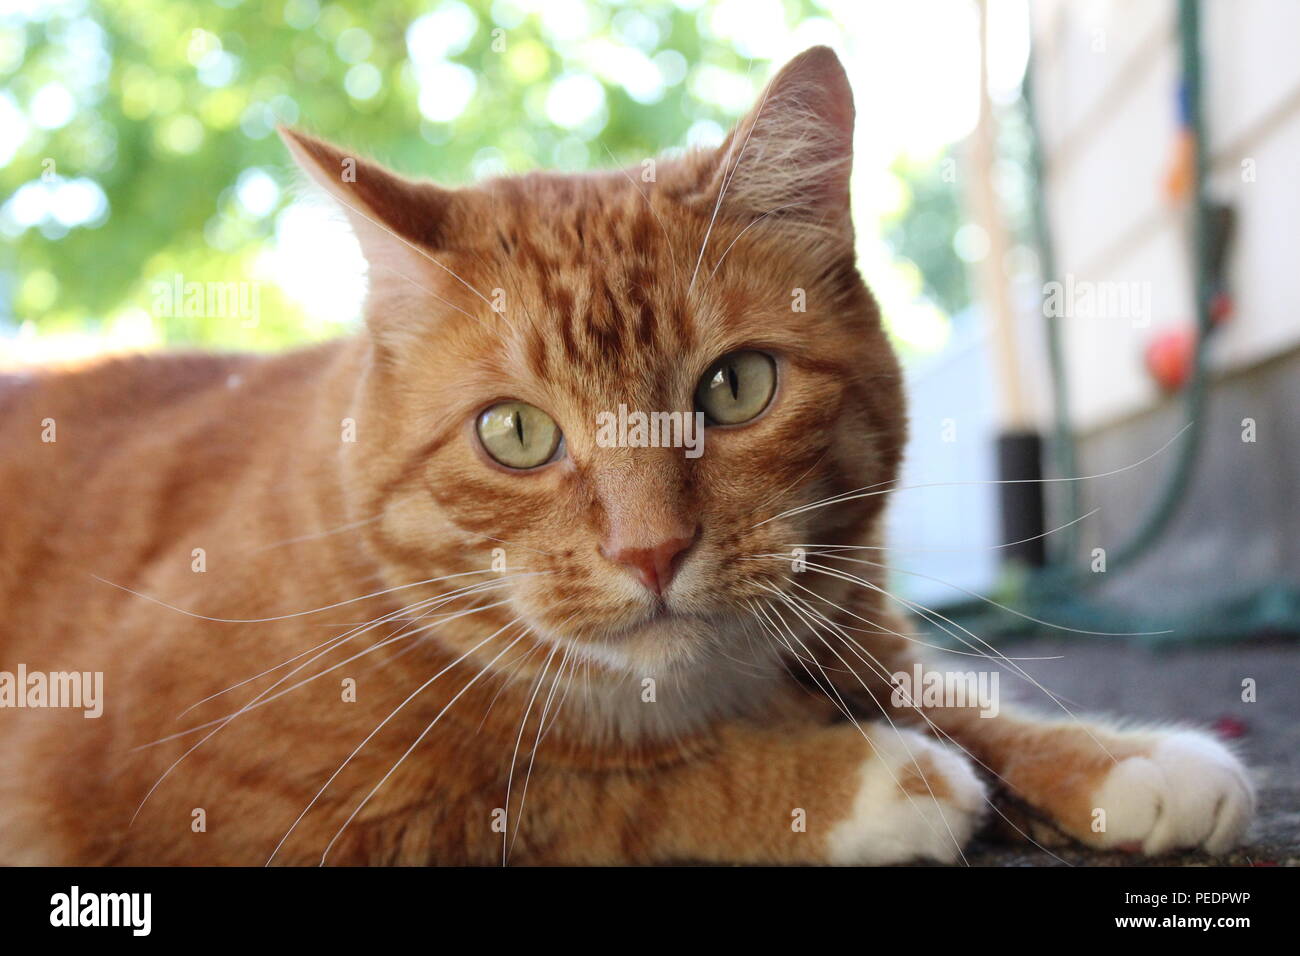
x,y
916,800
1189,792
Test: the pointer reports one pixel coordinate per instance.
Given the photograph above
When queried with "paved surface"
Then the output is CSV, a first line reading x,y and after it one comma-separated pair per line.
x,y
1113,676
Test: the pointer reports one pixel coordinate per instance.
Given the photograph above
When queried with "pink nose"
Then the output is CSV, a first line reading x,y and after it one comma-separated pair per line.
x,y
654,566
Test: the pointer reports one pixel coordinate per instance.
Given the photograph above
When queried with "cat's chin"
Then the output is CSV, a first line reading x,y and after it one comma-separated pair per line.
x,y
664,642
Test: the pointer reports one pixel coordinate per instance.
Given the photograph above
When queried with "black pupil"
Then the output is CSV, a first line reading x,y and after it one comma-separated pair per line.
x,y
519,427
734,381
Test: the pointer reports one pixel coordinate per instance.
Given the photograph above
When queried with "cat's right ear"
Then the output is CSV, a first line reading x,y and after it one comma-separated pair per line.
x,y
791,156
394,218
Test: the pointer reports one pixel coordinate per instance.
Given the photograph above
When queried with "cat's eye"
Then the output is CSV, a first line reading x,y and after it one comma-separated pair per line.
x,y
518,435
736,387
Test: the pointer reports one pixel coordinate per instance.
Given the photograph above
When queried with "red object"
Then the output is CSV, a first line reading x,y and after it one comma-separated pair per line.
x,y
1169,357
1229,727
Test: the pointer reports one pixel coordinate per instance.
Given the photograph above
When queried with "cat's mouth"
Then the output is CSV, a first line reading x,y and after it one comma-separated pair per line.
x,y
677,626
662,612
657,618
654,637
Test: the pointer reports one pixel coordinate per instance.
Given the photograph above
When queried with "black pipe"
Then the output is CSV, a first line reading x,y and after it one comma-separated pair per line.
x,y
1020,468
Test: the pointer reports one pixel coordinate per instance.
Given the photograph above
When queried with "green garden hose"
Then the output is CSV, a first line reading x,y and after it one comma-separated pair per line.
x,y
1063,568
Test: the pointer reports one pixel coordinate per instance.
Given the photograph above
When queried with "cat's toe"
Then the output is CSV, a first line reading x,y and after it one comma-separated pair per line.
x,y
916,800
1188,791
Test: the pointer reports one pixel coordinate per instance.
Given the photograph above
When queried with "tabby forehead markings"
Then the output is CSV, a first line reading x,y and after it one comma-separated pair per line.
x,y
603,321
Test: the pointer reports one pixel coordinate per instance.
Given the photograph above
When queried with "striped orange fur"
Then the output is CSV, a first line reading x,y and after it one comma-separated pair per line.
x,y
517,694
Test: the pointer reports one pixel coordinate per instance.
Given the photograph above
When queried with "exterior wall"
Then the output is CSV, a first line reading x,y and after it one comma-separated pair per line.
x,y
1107,76
1237,528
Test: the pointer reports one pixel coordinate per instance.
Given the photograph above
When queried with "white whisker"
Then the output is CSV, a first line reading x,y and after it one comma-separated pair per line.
x,y
722,190
532,758
881,671
284,617
514,759
320,534
927,613
436,601
378,727
414,247
912,639
843,707
409,750
866,491
826,549
1003,607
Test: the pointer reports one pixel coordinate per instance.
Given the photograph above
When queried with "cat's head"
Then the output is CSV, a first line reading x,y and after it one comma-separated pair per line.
x,y
518,330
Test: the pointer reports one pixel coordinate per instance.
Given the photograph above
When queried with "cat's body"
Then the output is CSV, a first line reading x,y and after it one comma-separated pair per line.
x,y
633,608
115,500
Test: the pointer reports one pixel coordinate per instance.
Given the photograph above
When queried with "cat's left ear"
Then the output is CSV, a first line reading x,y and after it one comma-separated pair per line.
x,y
790,157
393,217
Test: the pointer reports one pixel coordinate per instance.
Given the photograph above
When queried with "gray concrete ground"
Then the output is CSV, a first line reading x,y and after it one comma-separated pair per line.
x,y
1114,676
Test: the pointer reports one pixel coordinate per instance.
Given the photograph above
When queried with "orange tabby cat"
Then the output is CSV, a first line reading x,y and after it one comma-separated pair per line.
x,y
410,597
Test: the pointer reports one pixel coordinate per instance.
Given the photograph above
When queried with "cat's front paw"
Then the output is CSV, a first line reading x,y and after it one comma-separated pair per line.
x,y
1187,791
916,800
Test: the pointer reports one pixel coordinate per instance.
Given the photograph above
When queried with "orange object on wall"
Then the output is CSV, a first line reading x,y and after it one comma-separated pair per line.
x,y
1182,167
1169,357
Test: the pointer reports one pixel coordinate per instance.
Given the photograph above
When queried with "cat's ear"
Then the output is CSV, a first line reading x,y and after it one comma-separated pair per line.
x,y
393,217
791,156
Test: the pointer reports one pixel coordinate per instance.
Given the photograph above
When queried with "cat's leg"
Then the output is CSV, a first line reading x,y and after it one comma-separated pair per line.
x,y
1145,789
839,794
1149,790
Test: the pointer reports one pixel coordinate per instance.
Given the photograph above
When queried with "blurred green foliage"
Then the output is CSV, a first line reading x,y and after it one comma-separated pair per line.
x,y
137,142
923,231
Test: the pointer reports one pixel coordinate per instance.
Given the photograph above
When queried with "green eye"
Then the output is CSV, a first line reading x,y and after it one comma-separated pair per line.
x,y
736,387
518,435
